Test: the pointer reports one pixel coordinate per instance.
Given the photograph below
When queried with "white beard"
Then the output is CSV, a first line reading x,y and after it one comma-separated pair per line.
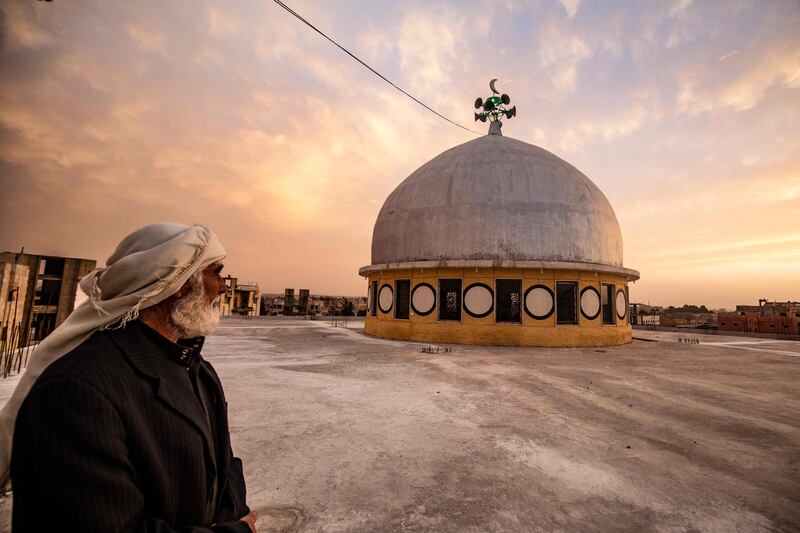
x,y
194,315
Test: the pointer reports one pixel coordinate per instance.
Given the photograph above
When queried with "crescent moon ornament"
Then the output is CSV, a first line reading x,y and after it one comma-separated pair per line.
x,y
491,86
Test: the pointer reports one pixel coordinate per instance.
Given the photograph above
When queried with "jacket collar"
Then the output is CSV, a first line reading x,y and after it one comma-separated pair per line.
x,y
185,352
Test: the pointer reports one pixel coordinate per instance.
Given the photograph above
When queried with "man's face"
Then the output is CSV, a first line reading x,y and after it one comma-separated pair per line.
x,y
194,312
213,282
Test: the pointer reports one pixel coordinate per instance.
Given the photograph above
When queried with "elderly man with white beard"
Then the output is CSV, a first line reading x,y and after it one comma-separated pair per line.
x,y
119,424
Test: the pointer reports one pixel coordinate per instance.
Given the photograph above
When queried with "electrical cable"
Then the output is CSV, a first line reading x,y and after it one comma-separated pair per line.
x,y
381,76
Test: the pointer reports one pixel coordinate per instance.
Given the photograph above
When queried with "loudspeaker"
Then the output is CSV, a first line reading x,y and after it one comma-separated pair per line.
x,y
506,100
512,112
478,103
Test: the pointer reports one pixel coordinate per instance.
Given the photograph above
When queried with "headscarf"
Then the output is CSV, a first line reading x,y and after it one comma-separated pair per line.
x,y
148,266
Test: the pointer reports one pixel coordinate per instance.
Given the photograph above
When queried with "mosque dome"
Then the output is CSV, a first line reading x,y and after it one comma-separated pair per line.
x,y
498,242
497,199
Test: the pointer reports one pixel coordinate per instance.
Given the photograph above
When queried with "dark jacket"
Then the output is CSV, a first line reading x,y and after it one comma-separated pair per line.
x,y
112,438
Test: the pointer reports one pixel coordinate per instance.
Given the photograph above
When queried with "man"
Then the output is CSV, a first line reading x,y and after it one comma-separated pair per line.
x,y
121,425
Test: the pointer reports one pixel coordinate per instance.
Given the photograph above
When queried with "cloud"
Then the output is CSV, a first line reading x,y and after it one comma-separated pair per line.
x,y
428,48
679,6
148,39
223,23
561,55
22,28
740,78
574,138
743,92
570,6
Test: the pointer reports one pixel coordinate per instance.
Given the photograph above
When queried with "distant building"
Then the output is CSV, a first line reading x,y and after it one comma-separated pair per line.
x,y
686,316
272,304
288,303
641,314
345,305
781,318
280,304
302,304
682,319
308,304
37,293
240,299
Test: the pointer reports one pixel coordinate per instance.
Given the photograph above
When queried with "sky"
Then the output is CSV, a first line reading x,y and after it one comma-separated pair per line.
x,y
686,114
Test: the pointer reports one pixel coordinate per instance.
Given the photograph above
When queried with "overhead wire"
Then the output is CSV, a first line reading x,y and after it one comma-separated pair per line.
x,y
381,76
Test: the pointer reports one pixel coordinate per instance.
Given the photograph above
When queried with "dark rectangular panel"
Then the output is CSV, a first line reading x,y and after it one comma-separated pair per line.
x,y
607,299
373,296
402,291
508,300
48,292
566,302
303,302
288,302
54,266
450,299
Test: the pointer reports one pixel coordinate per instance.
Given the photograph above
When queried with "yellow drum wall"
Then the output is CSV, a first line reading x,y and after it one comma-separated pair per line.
x,y
484,331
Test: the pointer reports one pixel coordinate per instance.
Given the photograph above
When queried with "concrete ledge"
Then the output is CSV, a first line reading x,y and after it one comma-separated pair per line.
x,y
630,274
720,332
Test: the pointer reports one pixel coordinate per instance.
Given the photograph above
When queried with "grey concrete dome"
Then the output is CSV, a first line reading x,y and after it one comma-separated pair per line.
x,y
496,198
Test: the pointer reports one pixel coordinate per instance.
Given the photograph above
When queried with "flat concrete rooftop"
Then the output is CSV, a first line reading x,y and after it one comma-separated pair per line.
x,y
343,432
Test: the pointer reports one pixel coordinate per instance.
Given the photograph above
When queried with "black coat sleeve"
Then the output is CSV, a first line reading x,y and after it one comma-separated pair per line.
x,y
70,469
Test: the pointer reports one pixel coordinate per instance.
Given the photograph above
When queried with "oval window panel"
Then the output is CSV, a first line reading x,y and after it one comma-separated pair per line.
x,y
385,298
423,299
622,305
590,303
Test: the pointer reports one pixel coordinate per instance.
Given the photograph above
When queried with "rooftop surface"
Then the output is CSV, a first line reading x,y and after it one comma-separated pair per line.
x,y
343,432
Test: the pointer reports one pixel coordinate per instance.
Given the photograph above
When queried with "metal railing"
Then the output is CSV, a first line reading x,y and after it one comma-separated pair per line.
x,y
15,350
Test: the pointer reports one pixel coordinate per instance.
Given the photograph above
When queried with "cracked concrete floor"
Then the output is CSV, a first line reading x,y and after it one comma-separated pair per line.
x,y
342,432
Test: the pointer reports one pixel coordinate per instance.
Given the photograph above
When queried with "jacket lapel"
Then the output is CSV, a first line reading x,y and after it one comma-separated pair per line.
x,y
182,399
172,386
